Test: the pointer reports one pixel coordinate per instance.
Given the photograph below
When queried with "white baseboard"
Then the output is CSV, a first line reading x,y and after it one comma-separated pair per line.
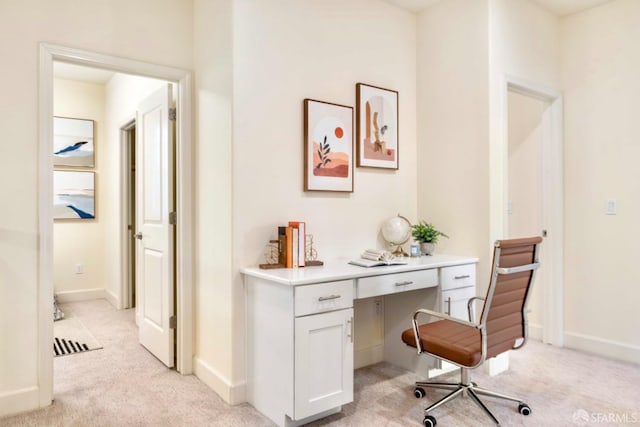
x,y
112,298
535,331
233,394
368,356
14,402
81,295
602,347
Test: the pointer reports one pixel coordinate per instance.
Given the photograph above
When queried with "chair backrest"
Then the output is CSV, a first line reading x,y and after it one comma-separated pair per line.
x,y
504,312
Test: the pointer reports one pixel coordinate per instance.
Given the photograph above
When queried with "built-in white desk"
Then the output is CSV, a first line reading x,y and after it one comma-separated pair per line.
x,y
300,327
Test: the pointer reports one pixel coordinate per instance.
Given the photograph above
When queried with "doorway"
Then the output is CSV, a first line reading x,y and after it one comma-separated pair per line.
x,y
525,176
183,224
128,140
531,161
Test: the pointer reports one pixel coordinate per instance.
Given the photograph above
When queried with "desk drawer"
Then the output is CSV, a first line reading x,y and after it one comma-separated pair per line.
x,y
310,299
459,276
399,282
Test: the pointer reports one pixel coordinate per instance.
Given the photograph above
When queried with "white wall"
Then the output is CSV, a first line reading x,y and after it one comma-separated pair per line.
x,y
214,327
80,242
114,27
123,93
600,69
284,52
452,125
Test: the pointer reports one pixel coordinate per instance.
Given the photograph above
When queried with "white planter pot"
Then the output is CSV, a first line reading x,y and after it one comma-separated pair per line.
x,y
427,248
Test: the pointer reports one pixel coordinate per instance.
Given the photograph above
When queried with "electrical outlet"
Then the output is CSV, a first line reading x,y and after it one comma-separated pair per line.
x,y
79,269
612,207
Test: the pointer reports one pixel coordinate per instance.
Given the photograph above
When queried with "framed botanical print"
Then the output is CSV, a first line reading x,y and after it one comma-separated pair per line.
x,y
73,142
328,146
377,144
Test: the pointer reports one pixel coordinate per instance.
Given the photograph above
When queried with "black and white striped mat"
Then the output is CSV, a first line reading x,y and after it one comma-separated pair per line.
x,y
62,346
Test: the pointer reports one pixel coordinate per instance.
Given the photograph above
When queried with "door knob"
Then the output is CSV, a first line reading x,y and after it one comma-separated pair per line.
x,y
138,236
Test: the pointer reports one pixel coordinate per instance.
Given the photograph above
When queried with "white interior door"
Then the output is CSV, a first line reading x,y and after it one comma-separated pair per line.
x,y
155,234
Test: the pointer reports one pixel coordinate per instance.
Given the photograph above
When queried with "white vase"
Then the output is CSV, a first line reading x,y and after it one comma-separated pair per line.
x,y
427,248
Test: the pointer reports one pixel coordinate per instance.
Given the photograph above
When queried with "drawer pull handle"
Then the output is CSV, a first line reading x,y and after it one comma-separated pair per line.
x,y
330,297
466,276
408,282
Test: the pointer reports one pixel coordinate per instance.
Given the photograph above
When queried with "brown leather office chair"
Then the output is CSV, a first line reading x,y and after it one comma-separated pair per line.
x,y
502,326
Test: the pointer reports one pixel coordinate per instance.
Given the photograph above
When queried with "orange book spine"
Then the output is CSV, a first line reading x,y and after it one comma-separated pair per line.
x,y
288,236
302,241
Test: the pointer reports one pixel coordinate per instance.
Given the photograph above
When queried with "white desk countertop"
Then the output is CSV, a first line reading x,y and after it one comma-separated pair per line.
x,y
340,269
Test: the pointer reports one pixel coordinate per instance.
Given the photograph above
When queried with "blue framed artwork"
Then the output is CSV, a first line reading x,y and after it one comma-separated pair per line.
x,y
74,195
73,142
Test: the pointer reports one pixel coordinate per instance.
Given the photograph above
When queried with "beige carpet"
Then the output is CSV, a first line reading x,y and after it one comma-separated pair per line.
x,y
70,336
123,385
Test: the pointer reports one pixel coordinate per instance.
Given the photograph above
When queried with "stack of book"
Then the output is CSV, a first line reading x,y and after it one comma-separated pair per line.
x,y
292,244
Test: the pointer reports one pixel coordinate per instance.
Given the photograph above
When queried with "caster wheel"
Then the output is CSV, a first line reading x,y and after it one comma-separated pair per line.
x,y
418,392
524,409
429,421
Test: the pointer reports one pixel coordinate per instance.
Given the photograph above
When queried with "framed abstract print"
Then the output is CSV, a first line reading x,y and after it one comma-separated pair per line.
x,y
377,144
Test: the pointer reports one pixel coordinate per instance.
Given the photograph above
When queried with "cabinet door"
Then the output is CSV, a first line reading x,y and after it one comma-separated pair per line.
x,y
323,362
454,302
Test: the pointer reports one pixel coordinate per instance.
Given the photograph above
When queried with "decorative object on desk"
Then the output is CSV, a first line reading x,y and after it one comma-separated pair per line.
x,y
73,142
272,255
427,235
415,250
376,257
311,255
73,195
397,231
376,127
328,146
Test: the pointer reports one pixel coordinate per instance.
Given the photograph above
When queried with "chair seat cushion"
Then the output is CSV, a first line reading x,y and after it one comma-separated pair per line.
x,y
448,340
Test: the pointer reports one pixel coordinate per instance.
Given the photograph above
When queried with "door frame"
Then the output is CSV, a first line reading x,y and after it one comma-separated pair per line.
x,y
552,195
184,199
127,248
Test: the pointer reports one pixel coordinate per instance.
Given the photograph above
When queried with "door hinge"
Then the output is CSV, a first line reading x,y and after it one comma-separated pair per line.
x,y
173,322
172,114
173,218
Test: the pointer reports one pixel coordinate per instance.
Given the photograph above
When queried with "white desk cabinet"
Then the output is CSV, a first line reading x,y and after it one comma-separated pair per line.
x,y
300,328
323,362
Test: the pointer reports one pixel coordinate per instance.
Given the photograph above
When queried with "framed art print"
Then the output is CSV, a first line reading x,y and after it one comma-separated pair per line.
x,y
328,146
376,127
73,142
74,195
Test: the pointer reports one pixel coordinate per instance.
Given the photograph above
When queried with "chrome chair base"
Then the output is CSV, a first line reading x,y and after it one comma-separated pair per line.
x,y
465,388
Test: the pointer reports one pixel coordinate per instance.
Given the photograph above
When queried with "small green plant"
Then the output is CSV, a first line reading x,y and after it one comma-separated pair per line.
x,y
424,232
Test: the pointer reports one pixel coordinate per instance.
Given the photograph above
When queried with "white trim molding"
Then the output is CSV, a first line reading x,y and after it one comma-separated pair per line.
x,y
603,347
184,203
21,400
233,394
82,295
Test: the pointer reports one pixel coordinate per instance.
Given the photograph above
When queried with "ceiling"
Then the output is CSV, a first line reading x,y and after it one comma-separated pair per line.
x,y
557,7
63,70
